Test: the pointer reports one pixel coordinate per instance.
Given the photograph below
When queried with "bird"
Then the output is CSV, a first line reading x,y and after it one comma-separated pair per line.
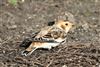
x,y
47,37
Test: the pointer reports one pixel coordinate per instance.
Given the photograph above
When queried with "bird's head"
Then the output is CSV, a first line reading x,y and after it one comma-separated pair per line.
x,y
64,25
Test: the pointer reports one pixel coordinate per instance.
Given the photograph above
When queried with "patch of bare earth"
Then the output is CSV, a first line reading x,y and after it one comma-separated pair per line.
x,y
82,48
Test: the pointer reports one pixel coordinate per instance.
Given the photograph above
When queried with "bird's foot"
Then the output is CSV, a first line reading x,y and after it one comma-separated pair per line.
x,y
25,53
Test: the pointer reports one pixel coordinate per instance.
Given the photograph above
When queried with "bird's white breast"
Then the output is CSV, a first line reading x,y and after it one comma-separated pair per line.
x,y
49,45
59,40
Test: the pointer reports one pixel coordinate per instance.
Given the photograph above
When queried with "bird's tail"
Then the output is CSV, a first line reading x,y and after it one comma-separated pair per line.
x,y
26,43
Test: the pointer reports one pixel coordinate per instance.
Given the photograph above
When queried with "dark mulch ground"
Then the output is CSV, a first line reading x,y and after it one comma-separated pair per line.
x,y
82,48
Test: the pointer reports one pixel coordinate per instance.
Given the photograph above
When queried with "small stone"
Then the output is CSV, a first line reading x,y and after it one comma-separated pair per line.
x,y
64,66
76,39
29,17
85,26
3,51
12,27
93,18
23,32
0,40
37,25
23,0
25,20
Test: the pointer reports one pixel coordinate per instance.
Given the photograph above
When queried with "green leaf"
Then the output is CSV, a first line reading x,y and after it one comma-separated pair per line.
x,y
13,2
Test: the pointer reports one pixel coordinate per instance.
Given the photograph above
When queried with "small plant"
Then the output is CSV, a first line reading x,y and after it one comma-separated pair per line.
x,y
13,2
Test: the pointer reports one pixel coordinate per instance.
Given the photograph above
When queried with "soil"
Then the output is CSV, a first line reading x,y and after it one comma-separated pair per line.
x,y
82,48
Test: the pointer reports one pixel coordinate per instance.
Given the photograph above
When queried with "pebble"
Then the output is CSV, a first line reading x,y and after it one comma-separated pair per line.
x,y
85,26
0,40
12,27
64,66
37,25
23,32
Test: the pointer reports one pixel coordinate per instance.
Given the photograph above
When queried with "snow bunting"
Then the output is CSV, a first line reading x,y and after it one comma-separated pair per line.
x,y
48,37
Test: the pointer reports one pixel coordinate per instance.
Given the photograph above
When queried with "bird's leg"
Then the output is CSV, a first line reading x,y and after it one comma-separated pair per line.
x,y
32,51
29,50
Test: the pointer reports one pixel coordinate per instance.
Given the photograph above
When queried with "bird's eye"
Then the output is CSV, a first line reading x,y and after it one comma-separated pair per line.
x,y
66,24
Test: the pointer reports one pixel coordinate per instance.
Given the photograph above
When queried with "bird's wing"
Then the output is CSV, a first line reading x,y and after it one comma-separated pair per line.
x,y
45,35
55,33
41,36
50,35
43,32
